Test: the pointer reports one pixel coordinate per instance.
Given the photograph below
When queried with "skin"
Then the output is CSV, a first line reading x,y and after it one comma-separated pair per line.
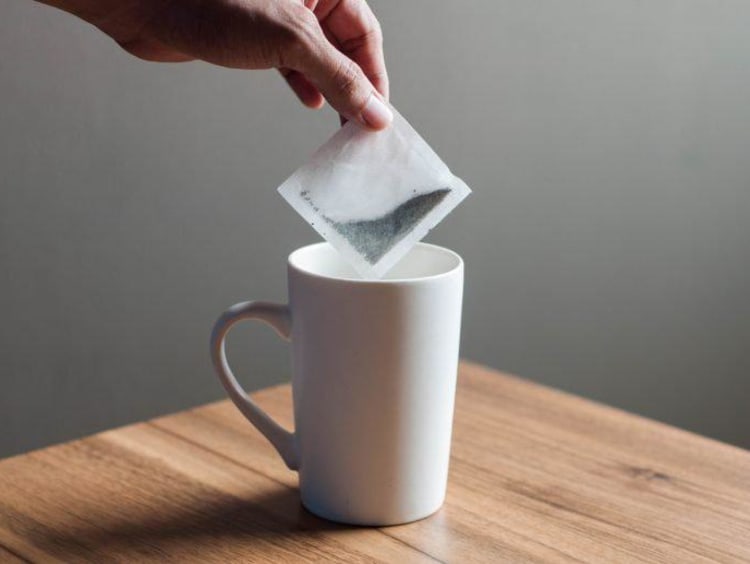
x,y
325,49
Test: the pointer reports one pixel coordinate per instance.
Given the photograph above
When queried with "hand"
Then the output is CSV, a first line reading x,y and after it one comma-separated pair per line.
x,y
325,49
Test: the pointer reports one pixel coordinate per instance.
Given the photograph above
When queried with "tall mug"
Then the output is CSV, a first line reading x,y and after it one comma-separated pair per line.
x,y
374,377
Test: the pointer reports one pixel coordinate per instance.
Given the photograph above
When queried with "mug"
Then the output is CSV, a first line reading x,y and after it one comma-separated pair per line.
x,y
374,366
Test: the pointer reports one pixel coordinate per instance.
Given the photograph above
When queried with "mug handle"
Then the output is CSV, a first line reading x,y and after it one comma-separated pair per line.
x,y
279,317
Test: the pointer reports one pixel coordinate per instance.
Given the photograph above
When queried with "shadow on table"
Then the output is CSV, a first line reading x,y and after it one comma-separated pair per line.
x,y
211,523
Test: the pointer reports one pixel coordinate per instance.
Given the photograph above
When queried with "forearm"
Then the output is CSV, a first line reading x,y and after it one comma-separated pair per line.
x,y
107,15
86,9
310,48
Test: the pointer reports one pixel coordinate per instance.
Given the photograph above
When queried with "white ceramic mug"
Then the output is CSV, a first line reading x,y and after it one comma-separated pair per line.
x,y
374,376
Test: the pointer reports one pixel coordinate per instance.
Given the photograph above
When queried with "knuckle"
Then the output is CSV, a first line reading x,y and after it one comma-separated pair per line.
x,y
377,33
300,33
371,40
347,77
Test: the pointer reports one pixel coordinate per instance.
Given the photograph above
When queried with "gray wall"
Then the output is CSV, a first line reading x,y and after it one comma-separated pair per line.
x,y
607,242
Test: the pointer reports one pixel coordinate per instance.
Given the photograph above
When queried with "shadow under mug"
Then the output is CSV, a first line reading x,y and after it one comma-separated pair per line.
x,y
374,375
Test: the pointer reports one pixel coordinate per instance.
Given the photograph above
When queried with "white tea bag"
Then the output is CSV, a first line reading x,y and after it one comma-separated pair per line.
x,y
374,195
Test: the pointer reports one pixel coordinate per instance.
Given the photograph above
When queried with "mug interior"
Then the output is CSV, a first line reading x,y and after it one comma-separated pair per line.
x,y
422,261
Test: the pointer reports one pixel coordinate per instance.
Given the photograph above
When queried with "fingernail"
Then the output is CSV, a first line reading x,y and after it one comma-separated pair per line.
x,y
376,114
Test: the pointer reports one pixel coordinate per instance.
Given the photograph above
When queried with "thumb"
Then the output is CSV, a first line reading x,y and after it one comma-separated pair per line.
x,y
343,84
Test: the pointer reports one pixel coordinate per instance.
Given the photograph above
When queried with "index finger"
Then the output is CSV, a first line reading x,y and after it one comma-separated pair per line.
x,y
357,33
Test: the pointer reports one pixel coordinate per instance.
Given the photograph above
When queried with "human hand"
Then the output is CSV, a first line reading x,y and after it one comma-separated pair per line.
x,y
325,49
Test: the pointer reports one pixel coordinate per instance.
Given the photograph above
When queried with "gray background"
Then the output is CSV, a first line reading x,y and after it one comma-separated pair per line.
x,y
607,242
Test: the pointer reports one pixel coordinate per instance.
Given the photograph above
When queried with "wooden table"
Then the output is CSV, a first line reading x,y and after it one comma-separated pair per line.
x,y
536,475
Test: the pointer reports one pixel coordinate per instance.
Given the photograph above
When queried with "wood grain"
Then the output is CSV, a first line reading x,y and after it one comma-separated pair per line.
x,y
536,475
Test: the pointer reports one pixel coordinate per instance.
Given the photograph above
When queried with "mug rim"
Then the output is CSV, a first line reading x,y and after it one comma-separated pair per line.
x,y
384,281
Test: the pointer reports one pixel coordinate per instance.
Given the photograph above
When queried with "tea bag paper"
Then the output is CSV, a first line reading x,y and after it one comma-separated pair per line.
x,y
374,195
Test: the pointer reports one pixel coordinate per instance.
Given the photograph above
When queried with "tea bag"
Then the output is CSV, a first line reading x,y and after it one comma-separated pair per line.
x,y
374,195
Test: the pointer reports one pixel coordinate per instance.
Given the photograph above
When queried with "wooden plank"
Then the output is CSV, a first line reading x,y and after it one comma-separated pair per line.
x,y
536,475
138,494
9,557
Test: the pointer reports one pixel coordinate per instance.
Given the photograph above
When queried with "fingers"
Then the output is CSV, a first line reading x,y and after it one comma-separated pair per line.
x,y
357,32
303,88
288,35
337,77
